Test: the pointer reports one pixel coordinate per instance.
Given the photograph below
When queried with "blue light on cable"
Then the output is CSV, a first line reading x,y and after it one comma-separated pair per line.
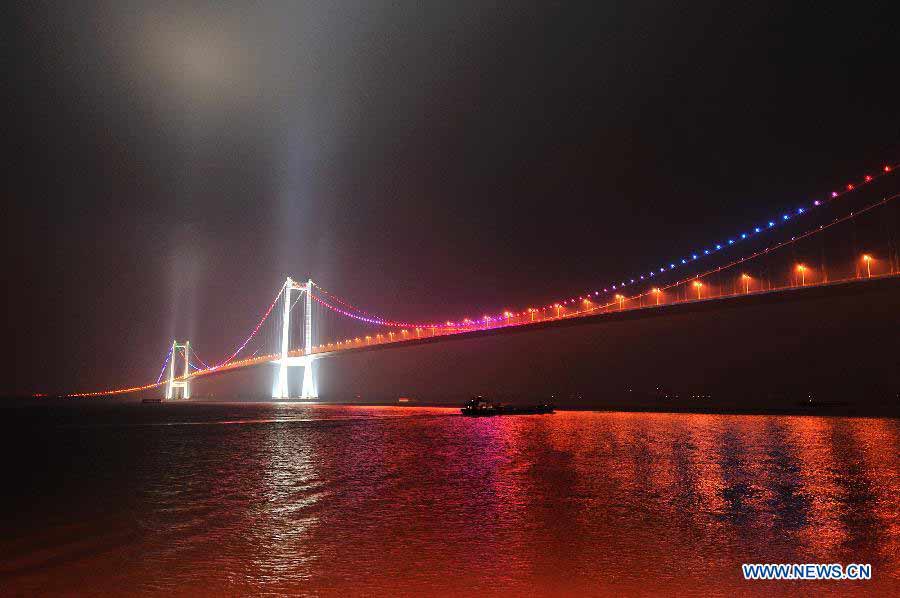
x,y
743,236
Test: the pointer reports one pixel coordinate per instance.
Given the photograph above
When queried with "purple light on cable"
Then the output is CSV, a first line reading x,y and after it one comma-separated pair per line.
x,y
165,363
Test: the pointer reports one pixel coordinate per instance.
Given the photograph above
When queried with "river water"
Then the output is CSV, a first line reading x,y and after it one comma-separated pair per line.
x,y
237,499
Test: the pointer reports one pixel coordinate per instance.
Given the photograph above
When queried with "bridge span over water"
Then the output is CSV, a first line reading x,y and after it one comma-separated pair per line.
x,y
824,337
844,244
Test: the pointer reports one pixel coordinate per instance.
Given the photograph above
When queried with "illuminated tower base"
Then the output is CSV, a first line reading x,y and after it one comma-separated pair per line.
x,y
309,390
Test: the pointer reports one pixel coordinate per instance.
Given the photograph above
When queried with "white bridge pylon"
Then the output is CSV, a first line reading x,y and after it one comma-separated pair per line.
x,y
183,382
280,388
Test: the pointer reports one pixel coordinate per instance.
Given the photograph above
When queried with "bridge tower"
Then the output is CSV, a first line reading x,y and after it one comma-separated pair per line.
x,y
308,390
280,387
183,382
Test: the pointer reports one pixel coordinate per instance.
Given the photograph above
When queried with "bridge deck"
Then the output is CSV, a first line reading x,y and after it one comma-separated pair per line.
x,y
726,302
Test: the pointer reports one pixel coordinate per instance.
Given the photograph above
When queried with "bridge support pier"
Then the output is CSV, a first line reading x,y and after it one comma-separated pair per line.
x,y
308,390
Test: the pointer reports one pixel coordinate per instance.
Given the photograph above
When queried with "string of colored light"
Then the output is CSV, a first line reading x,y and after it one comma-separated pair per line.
x,y
767,250
363,316
252,334
165,363
343,312
735,239
117,391
761,252
191,364
197,357
699,255
350,306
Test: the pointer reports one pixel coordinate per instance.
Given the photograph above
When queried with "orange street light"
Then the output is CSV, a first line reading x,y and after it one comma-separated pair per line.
x,y
558,307
621,299
802,270
656,292
746,279
868,259
699,286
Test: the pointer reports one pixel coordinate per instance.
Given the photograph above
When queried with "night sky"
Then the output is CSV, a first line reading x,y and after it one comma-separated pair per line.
x,y
173,162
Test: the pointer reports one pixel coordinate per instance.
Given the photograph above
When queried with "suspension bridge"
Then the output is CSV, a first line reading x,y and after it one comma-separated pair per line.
x,y
845,239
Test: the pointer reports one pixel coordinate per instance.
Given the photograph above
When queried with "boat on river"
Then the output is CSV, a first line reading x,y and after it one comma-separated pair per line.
x,y
480,407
